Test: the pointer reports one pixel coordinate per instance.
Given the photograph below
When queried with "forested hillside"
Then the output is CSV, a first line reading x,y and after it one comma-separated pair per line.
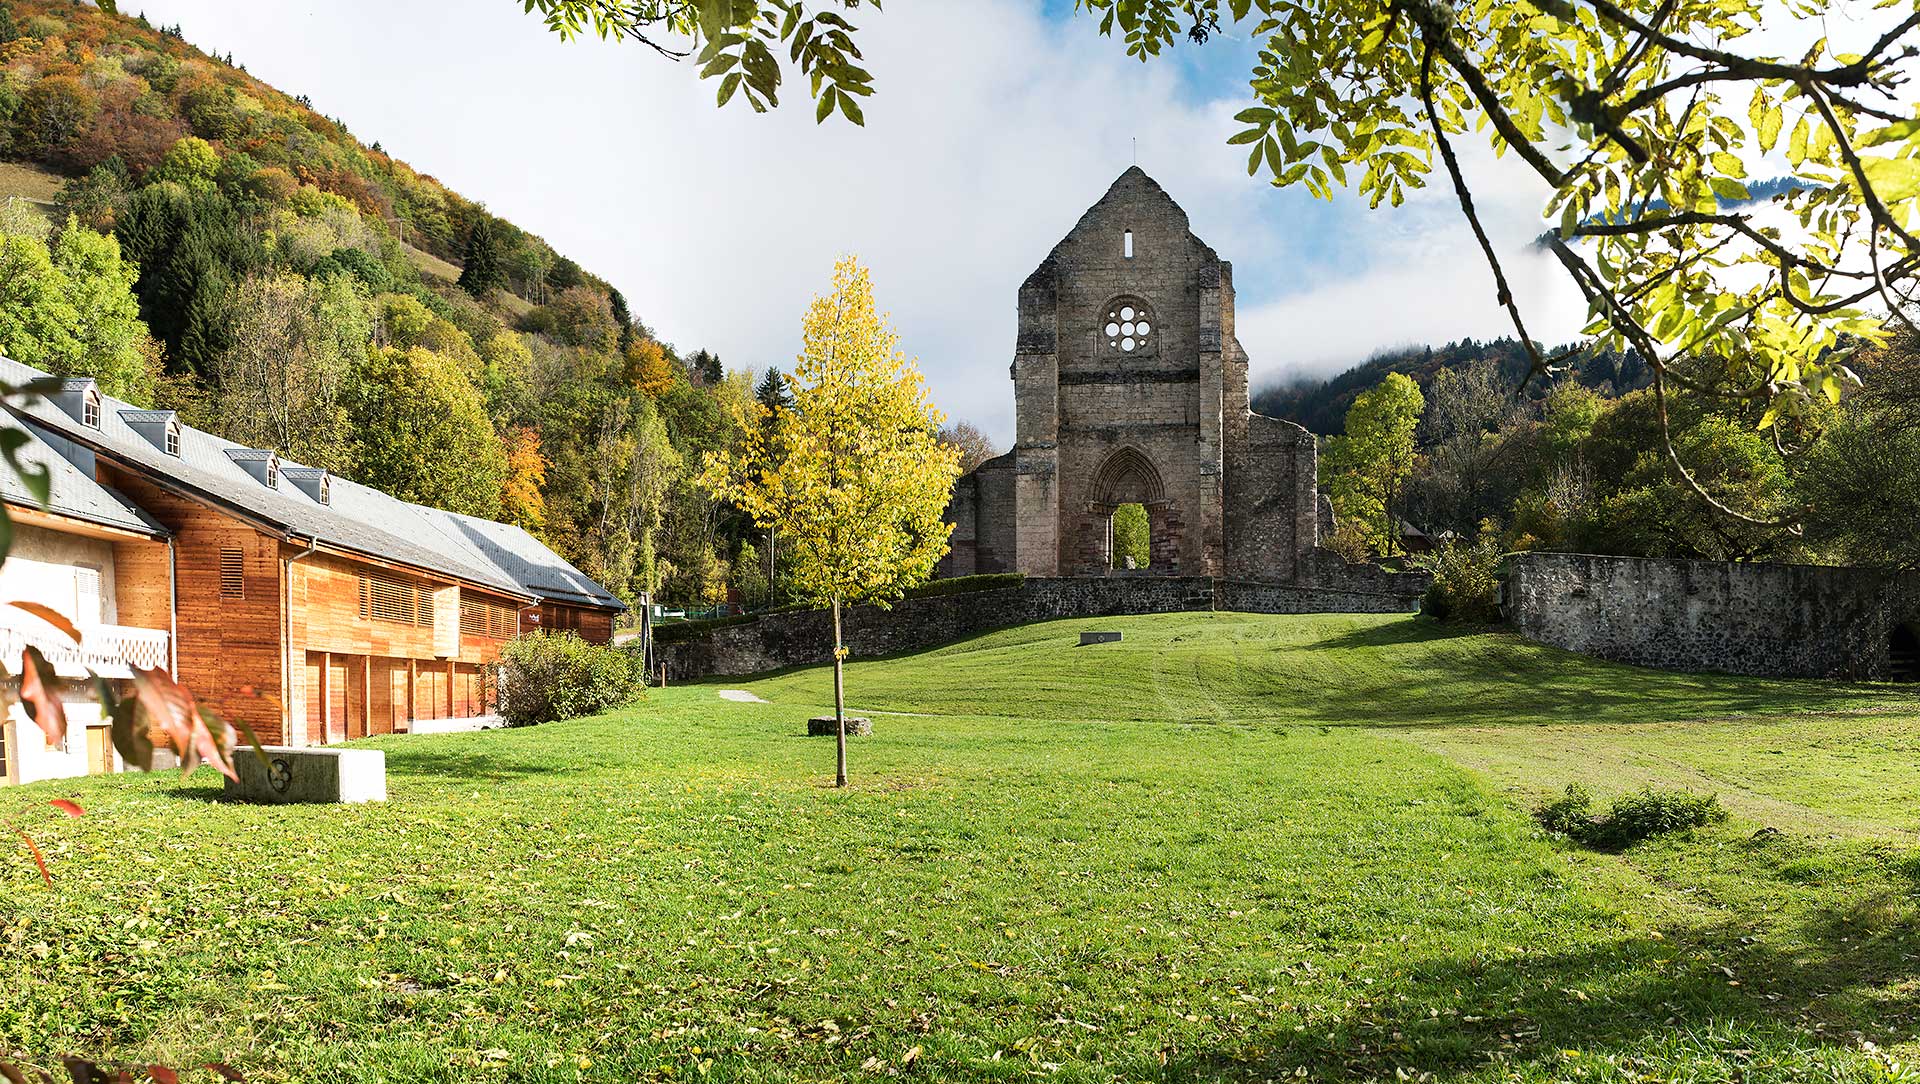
x,y
1320,405
199,240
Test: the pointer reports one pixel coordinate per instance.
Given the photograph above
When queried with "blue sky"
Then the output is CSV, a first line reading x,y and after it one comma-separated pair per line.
x,y
996,123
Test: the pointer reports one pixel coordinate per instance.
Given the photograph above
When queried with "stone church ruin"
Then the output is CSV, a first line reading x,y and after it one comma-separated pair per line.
x,y
1130,388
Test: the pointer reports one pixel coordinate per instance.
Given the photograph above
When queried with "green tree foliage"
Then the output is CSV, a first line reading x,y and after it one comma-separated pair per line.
x,y
705,367
37,323
1365,470
192,164
294,345
773,391
483,267
69,307
739,43
190,248
1640,121
1132,537
96,197
421,432
273,257
577,316
112,341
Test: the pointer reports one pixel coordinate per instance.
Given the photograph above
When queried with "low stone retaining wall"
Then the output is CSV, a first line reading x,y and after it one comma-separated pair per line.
x,y
1761,619
804,638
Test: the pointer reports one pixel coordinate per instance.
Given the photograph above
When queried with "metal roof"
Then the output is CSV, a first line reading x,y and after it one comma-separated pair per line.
x,y
357,517
73,493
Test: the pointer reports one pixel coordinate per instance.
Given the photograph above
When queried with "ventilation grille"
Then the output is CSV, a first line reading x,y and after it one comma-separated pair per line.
x,y
233,580
479,618
390,599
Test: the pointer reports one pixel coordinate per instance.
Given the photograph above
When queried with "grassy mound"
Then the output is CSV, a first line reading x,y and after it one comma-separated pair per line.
x,y
1225,849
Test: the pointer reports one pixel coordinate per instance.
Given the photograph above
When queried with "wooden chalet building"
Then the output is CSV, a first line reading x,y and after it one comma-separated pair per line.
x,y
310,607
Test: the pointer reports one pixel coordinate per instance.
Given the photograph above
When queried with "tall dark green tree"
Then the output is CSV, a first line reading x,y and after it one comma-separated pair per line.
x,y
190,248
621,315
705,365
484,267
772,391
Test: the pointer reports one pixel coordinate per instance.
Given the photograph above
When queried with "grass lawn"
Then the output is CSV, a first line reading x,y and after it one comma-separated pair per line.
x,y
1229,848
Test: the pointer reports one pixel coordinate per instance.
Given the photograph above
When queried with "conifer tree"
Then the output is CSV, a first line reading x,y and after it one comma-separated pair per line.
x,y
483,269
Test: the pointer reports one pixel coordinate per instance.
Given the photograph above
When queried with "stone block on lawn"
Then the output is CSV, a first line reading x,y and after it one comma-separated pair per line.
x,y
822,726
1099,638
292,775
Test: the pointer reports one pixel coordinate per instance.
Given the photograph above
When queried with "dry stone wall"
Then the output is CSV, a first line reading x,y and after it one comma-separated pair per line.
x,y
777,641
1761,619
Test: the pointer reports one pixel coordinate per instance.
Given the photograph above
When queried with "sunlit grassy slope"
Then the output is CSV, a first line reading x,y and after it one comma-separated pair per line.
x,y
1229,848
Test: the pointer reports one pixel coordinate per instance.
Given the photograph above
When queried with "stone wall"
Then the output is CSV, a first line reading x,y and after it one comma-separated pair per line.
x,y
776,641
1772,620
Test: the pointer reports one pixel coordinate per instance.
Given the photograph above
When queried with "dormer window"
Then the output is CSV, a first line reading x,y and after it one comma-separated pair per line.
x,y
160,427
90,409
312,481
262,463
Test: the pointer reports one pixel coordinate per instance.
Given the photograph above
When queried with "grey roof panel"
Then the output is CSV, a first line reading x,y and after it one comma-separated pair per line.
x,y
73,491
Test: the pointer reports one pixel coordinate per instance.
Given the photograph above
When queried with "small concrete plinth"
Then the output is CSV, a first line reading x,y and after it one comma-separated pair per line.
x,y
823,726
309,775
1099,638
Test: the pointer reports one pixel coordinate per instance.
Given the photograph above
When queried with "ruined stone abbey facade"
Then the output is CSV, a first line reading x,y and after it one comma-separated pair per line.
x,y
1130,388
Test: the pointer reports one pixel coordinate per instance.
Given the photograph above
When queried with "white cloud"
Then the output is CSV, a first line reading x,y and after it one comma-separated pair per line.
x,y
993,128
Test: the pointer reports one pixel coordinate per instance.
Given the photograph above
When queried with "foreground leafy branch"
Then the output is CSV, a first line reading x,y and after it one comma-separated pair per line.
x,y
1644,120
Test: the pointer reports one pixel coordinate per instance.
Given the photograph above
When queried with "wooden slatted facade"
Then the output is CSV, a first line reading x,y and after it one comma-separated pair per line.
x,y
270,632
307,617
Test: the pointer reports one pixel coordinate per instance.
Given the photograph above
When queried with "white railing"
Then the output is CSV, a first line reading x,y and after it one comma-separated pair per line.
x,y
111,651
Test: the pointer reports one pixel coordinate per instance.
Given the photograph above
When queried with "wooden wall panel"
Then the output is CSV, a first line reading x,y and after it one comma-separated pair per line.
x,y
229,648
313,694
142,597
338,696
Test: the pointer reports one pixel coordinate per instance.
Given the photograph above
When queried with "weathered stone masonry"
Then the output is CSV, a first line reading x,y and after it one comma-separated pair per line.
x,y
1762,619
1130,387
776,641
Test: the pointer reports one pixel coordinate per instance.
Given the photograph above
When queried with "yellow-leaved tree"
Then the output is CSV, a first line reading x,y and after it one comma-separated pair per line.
x,y
852,475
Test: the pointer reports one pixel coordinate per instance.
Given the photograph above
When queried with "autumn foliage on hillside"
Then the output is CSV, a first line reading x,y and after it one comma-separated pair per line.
x,y
226,250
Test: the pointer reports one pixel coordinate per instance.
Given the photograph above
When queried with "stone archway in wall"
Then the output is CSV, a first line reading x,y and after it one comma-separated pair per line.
x,y
1126,476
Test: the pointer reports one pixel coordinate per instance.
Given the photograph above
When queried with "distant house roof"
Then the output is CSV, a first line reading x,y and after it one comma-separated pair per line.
x,y
74,493
355,517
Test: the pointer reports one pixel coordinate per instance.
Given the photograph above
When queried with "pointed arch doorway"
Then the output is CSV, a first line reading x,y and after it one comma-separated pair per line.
x,y
1129,488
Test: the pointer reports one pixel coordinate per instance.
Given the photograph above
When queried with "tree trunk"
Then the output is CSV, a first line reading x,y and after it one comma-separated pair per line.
x,y
839,705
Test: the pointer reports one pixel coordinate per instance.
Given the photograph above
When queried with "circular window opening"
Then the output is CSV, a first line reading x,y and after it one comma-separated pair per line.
x,y
1127,327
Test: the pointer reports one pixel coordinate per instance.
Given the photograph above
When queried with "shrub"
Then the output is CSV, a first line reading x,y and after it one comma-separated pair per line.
x,y
1466,582
1631,818
557,675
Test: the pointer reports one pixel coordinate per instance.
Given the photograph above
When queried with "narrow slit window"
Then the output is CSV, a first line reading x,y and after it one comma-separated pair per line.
x,y
1126,244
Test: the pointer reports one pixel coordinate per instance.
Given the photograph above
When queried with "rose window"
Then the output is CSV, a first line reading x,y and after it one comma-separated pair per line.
x,y
1128,327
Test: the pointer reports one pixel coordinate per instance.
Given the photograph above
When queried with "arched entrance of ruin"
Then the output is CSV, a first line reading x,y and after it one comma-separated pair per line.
x,y
1126,477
